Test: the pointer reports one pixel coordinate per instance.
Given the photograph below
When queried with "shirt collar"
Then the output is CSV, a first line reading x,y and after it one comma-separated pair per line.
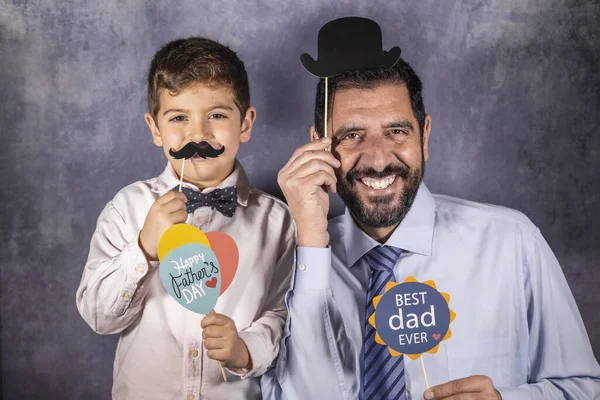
x,y
414,234
238,178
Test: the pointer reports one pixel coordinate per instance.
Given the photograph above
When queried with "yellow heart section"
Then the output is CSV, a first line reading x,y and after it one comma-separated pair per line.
x,y
178,235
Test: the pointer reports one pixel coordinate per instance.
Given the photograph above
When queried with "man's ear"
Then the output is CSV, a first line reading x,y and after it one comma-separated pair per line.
x,y
156,138
313,134
426,132
247,124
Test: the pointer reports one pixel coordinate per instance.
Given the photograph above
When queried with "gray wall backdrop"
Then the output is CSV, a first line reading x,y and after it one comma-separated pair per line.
x,y
512,85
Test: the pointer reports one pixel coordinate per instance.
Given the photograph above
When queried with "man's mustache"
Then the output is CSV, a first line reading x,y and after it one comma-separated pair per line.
x,y
357,173
203,149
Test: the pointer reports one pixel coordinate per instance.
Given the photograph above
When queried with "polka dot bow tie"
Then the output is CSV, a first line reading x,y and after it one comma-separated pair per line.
x,y
223,200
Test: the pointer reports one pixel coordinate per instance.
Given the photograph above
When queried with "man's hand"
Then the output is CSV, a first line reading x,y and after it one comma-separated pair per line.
x,y
222,342
305,181
477,387
167,210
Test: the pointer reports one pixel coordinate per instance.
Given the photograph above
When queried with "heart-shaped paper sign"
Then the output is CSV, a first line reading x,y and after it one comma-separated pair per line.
x,y
192,276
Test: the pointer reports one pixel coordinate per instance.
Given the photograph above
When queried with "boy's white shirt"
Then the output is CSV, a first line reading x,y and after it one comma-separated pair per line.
x,y
160,353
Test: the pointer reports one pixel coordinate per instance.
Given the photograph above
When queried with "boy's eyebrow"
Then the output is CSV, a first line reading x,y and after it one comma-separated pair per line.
x,y
175,110
181,110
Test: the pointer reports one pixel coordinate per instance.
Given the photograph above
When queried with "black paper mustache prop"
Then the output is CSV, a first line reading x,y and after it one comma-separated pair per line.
x,y
202,149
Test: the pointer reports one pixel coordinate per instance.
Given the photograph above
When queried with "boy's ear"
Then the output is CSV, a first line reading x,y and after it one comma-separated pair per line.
x,y
313,134
247,124
156,138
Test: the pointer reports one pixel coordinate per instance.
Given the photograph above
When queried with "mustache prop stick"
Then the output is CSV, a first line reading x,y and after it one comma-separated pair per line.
x,y
202,150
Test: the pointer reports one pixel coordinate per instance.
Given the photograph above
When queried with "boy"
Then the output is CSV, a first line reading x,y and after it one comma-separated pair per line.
x,y
198,97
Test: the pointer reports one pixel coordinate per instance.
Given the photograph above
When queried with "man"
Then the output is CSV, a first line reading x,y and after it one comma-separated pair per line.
x,y
517,333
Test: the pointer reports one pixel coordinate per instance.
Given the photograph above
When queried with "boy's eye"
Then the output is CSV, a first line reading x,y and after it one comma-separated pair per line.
x,y
178,118
217,116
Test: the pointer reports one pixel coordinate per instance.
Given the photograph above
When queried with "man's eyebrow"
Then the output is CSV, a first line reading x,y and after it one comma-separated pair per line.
x,y
399,124
342,130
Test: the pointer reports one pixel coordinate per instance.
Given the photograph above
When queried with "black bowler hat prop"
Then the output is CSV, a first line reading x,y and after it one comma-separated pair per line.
x,y
348,44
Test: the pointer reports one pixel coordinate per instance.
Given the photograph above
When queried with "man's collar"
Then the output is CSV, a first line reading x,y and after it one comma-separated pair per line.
x,y
238,178
414,234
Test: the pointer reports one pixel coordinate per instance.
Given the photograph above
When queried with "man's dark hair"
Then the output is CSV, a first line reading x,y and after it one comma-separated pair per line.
x,y
401,73
184,62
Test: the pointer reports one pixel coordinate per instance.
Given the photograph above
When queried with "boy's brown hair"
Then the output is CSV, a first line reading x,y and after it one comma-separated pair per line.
x,y
184,62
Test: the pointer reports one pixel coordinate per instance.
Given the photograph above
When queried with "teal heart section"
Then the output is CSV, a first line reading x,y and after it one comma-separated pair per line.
x,y
192,276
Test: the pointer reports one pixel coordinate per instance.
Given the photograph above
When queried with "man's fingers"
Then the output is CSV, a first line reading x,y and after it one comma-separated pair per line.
x,y
312,156
320,144
471,384
320,178
465,396
312,167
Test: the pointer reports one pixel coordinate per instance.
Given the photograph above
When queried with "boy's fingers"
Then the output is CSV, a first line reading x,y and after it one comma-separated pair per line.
x,y
215,331
214,343
320,144
214,319
170,195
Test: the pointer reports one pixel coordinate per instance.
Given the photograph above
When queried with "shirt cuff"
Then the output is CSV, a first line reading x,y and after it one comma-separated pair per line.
x,y
254,345
134,262
313,268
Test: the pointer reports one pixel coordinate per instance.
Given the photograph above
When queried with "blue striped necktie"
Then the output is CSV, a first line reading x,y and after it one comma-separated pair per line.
x,y
384,374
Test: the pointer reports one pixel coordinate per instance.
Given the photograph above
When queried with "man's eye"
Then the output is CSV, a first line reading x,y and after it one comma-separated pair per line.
x,y
351,136
398,132
178,118
217,116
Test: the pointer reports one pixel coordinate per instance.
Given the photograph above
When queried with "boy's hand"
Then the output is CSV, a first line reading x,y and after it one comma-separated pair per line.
x,y
167,210
223,343
305,181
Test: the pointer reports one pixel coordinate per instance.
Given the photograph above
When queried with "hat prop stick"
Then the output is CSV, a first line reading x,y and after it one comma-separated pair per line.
x,y
348,44
412,318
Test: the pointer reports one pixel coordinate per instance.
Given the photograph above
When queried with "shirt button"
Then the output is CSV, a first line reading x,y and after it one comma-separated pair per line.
x,y
140,269
302,267
190,396
200,220
193,353
126,295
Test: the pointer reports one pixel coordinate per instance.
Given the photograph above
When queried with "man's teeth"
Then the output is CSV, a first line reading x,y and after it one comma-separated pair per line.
x,y
379,183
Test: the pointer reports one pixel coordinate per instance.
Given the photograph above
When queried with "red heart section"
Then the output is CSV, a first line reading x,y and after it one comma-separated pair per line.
x,y
212,283
227,254
436,336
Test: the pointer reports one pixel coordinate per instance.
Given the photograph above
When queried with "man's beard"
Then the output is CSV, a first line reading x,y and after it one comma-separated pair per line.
x,y
381,211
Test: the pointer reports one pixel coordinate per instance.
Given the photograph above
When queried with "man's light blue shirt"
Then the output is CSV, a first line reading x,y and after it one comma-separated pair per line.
x,y
516,319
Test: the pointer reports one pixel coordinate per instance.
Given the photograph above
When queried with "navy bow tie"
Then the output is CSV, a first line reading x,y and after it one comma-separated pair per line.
x,y
224,200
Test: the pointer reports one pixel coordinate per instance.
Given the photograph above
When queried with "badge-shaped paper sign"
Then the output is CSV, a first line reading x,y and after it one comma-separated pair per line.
x,y
195,268
412,318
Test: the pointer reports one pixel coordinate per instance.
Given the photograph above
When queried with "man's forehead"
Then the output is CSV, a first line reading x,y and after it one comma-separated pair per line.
x,y
386,102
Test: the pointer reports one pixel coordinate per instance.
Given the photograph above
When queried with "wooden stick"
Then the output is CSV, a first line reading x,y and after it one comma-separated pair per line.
x,y
223,371
181,178
326,106
424,373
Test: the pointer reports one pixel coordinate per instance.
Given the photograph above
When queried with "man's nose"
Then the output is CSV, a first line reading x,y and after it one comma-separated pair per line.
x,y
375,153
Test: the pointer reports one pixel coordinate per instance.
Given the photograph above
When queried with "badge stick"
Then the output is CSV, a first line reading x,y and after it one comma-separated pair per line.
x,y
326,106
424,373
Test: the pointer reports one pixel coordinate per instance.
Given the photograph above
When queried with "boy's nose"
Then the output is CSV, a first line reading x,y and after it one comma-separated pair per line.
x,y
200,132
